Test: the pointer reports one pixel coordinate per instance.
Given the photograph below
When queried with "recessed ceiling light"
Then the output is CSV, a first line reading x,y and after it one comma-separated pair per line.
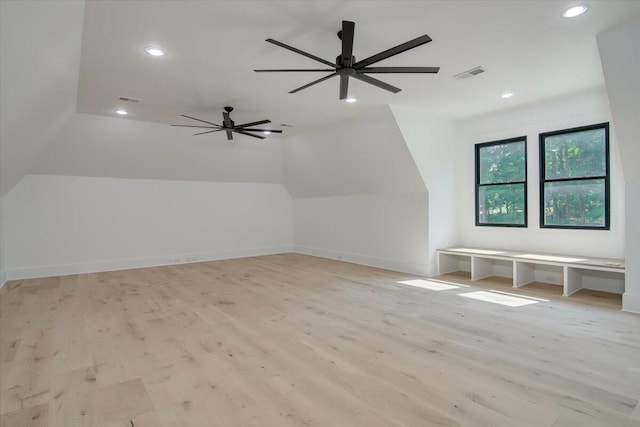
x,y
122,112
267,132
574,11
507,95
350,100
154,51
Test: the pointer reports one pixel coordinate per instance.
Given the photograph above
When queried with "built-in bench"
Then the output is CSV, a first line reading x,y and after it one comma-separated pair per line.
x,y
525,267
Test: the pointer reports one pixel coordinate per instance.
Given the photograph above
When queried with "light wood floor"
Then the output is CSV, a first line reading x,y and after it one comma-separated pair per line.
x,y
293,340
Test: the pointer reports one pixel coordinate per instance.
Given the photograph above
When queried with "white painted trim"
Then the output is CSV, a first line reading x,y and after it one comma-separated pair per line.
x,y
126,264
631,303
371,261
3,278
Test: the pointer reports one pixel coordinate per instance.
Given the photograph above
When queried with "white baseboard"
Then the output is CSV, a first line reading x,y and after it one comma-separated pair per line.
x,y
631,303
385,263
127,264
3,278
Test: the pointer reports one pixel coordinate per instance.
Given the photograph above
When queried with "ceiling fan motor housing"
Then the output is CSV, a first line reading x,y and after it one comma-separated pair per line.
x,y
339,61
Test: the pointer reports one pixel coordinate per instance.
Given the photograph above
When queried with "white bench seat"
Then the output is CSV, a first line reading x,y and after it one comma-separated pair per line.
x,y
523,265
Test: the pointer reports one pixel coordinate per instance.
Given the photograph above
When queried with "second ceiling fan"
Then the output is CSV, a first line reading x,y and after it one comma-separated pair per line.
x,y
229,126
346,65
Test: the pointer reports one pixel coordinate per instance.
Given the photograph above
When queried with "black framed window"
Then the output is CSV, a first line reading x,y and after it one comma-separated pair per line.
x,y
574,178
501,183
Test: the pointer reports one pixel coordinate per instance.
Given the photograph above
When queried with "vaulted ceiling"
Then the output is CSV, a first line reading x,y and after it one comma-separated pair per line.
x,y
60,58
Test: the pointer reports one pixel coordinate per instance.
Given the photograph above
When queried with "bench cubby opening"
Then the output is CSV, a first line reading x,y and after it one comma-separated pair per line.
x,y
453,263
596,280
482,268
569,272
525,273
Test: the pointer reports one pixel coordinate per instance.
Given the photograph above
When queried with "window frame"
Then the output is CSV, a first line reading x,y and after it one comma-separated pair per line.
x,y
478,147
606,177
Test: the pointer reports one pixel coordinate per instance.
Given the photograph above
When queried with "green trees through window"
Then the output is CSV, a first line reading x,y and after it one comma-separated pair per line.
x,y
501,183
574,178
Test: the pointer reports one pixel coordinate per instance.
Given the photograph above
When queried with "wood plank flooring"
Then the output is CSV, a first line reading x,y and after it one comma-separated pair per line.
x,y
293,340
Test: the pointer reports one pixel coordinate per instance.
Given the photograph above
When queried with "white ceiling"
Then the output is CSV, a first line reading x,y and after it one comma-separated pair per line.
x,y
213,46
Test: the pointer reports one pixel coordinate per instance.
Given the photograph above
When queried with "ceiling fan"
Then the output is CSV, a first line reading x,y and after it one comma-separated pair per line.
x,y
229,126
346,65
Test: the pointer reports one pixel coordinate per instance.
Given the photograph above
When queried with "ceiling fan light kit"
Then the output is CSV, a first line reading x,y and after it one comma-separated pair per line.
x,y
345,67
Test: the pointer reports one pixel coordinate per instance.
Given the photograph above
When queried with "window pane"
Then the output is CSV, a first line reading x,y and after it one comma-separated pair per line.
x,y
502,163
501,204
575,203
576,154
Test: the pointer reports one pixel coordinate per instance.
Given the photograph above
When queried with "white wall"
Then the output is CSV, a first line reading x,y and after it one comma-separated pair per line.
x,y
65,225
431,141
381,230
562,113
631,297
106,193
163,197
358,195
620,58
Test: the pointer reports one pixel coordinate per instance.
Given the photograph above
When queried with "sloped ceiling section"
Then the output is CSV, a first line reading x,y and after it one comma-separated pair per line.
x,y
91,145
40,44
358,156
621,65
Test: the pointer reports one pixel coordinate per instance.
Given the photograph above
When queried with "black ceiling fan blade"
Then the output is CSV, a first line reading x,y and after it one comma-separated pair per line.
x,y
259,122
200,120
313,83
209,131
248,134
301,52
393,51
295,70
193,126
382,70
346,35
229,134
344,86
260,130
376,82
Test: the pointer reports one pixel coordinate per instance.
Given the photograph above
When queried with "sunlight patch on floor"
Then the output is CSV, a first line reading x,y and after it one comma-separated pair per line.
x,y
520,295
502,298
429,284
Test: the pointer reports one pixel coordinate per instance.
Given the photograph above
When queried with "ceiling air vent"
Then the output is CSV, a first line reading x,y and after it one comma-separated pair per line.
x,y
127,99
469,73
